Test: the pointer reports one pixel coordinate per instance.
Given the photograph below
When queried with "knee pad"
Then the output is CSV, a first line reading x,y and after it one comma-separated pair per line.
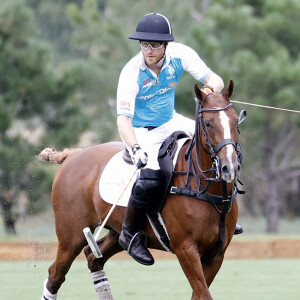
x,y
148,190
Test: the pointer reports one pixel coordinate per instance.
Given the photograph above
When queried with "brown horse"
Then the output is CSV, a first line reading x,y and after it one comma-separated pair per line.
x,y
198,236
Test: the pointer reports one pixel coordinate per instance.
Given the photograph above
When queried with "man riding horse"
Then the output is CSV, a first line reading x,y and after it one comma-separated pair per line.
x,y
147,116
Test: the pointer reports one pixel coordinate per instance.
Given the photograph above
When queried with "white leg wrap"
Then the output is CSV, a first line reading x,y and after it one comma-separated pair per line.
x,y
46,294
101,285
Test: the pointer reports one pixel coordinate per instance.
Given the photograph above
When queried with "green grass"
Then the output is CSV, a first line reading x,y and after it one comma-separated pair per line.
x,y
237,280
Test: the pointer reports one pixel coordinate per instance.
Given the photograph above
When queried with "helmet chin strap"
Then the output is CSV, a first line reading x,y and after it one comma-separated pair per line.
x,y
164,55
161,58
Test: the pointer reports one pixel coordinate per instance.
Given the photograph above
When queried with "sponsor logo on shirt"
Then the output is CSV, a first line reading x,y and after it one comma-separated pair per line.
x,y
148,84
160,91
171,70
172,84
125,105
146,81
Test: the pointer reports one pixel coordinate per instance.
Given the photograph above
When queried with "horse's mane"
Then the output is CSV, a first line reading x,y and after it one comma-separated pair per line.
x,y
54,156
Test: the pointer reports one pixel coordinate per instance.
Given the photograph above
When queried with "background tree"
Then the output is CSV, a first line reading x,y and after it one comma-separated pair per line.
x,y
38,106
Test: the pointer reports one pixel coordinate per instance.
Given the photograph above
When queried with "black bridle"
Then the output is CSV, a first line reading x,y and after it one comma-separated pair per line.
x,y
213,150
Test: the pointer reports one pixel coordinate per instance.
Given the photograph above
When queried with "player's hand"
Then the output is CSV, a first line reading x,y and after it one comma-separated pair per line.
x,y
207,89
139,157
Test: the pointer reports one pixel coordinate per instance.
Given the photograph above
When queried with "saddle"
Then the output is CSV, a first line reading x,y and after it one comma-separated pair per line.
x,y
167,161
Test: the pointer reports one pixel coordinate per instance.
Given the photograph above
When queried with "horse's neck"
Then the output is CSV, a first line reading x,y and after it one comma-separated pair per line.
x,y
204,157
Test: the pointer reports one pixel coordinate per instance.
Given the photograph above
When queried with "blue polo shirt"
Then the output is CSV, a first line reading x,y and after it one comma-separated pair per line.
x,y
150,99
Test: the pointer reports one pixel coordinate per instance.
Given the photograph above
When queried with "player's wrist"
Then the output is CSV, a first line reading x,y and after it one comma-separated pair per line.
x,y
135,148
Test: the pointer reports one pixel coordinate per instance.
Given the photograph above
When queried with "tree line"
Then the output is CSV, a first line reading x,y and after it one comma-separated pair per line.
x,y
60,62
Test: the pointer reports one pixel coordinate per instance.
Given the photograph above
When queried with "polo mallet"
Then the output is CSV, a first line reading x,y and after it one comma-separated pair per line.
x,y
92,239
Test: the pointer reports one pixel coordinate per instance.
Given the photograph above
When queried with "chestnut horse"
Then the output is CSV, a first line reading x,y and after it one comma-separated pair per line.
x,y
199,234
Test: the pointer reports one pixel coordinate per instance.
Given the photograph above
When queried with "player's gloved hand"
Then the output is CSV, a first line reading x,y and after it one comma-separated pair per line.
x,y
139,157
207,89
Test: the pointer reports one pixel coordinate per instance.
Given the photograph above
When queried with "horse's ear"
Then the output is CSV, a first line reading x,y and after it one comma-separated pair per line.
x,y
199,94
229,90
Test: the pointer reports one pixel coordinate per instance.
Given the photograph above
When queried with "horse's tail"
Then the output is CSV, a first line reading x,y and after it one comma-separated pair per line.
x,y
54,156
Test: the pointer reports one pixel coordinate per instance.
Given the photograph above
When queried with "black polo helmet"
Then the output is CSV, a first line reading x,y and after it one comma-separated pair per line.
x,y
153,27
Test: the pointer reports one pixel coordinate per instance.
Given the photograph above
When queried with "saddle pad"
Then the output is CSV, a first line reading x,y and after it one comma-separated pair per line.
x,y
116,175
114,179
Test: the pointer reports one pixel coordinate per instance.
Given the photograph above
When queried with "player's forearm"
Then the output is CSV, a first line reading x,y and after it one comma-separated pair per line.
x,y
126,130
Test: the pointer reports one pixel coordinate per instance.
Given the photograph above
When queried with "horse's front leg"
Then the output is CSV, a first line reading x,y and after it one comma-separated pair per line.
x,y
109,246
211,268
190,261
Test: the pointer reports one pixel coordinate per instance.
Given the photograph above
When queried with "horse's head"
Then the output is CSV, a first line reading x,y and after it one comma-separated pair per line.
x,y
218,126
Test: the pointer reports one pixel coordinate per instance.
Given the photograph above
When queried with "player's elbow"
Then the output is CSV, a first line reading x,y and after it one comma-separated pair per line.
x,y
123,121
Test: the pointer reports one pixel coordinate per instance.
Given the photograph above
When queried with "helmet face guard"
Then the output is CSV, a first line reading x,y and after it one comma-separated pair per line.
x,y
153,27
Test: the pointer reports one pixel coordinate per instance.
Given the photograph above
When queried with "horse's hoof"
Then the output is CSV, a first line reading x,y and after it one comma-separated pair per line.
x,y
238,229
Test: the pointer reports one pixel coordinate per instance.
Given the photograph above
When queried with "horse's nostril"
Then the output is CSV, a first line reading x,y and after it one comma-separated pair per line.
x,y
225,170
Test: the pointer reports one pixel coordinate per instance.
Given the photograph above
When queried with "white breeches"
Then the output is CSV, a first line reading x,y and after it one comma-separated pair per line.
x,y
151,140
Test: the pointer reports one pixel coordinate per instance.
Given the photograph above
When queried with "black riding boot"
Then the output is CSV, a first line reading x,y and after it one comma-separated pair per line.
x,y
238,229
132,238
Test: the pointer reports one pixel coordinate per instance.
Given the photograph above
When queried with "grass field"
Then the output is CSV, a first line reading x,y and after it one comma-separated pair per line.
x,y
237,280
264,279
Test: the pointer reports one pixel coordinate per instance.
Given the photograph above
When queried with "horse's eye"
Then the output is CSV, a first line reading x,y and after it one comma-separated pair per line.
x,y
207,123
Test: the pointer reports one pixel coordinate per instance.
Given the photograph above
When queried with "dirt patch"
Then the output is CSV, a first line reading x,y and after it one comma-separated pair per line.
x,y
280,248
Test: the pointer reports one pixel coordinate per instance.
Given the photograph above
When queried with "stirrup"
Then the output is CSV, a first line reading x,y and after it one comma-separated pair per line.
x,y
136,247
139,233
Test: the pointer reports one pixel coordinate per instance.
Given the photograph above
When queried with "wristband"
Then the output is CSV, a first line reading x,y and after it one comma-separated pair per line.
x,y
135,148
